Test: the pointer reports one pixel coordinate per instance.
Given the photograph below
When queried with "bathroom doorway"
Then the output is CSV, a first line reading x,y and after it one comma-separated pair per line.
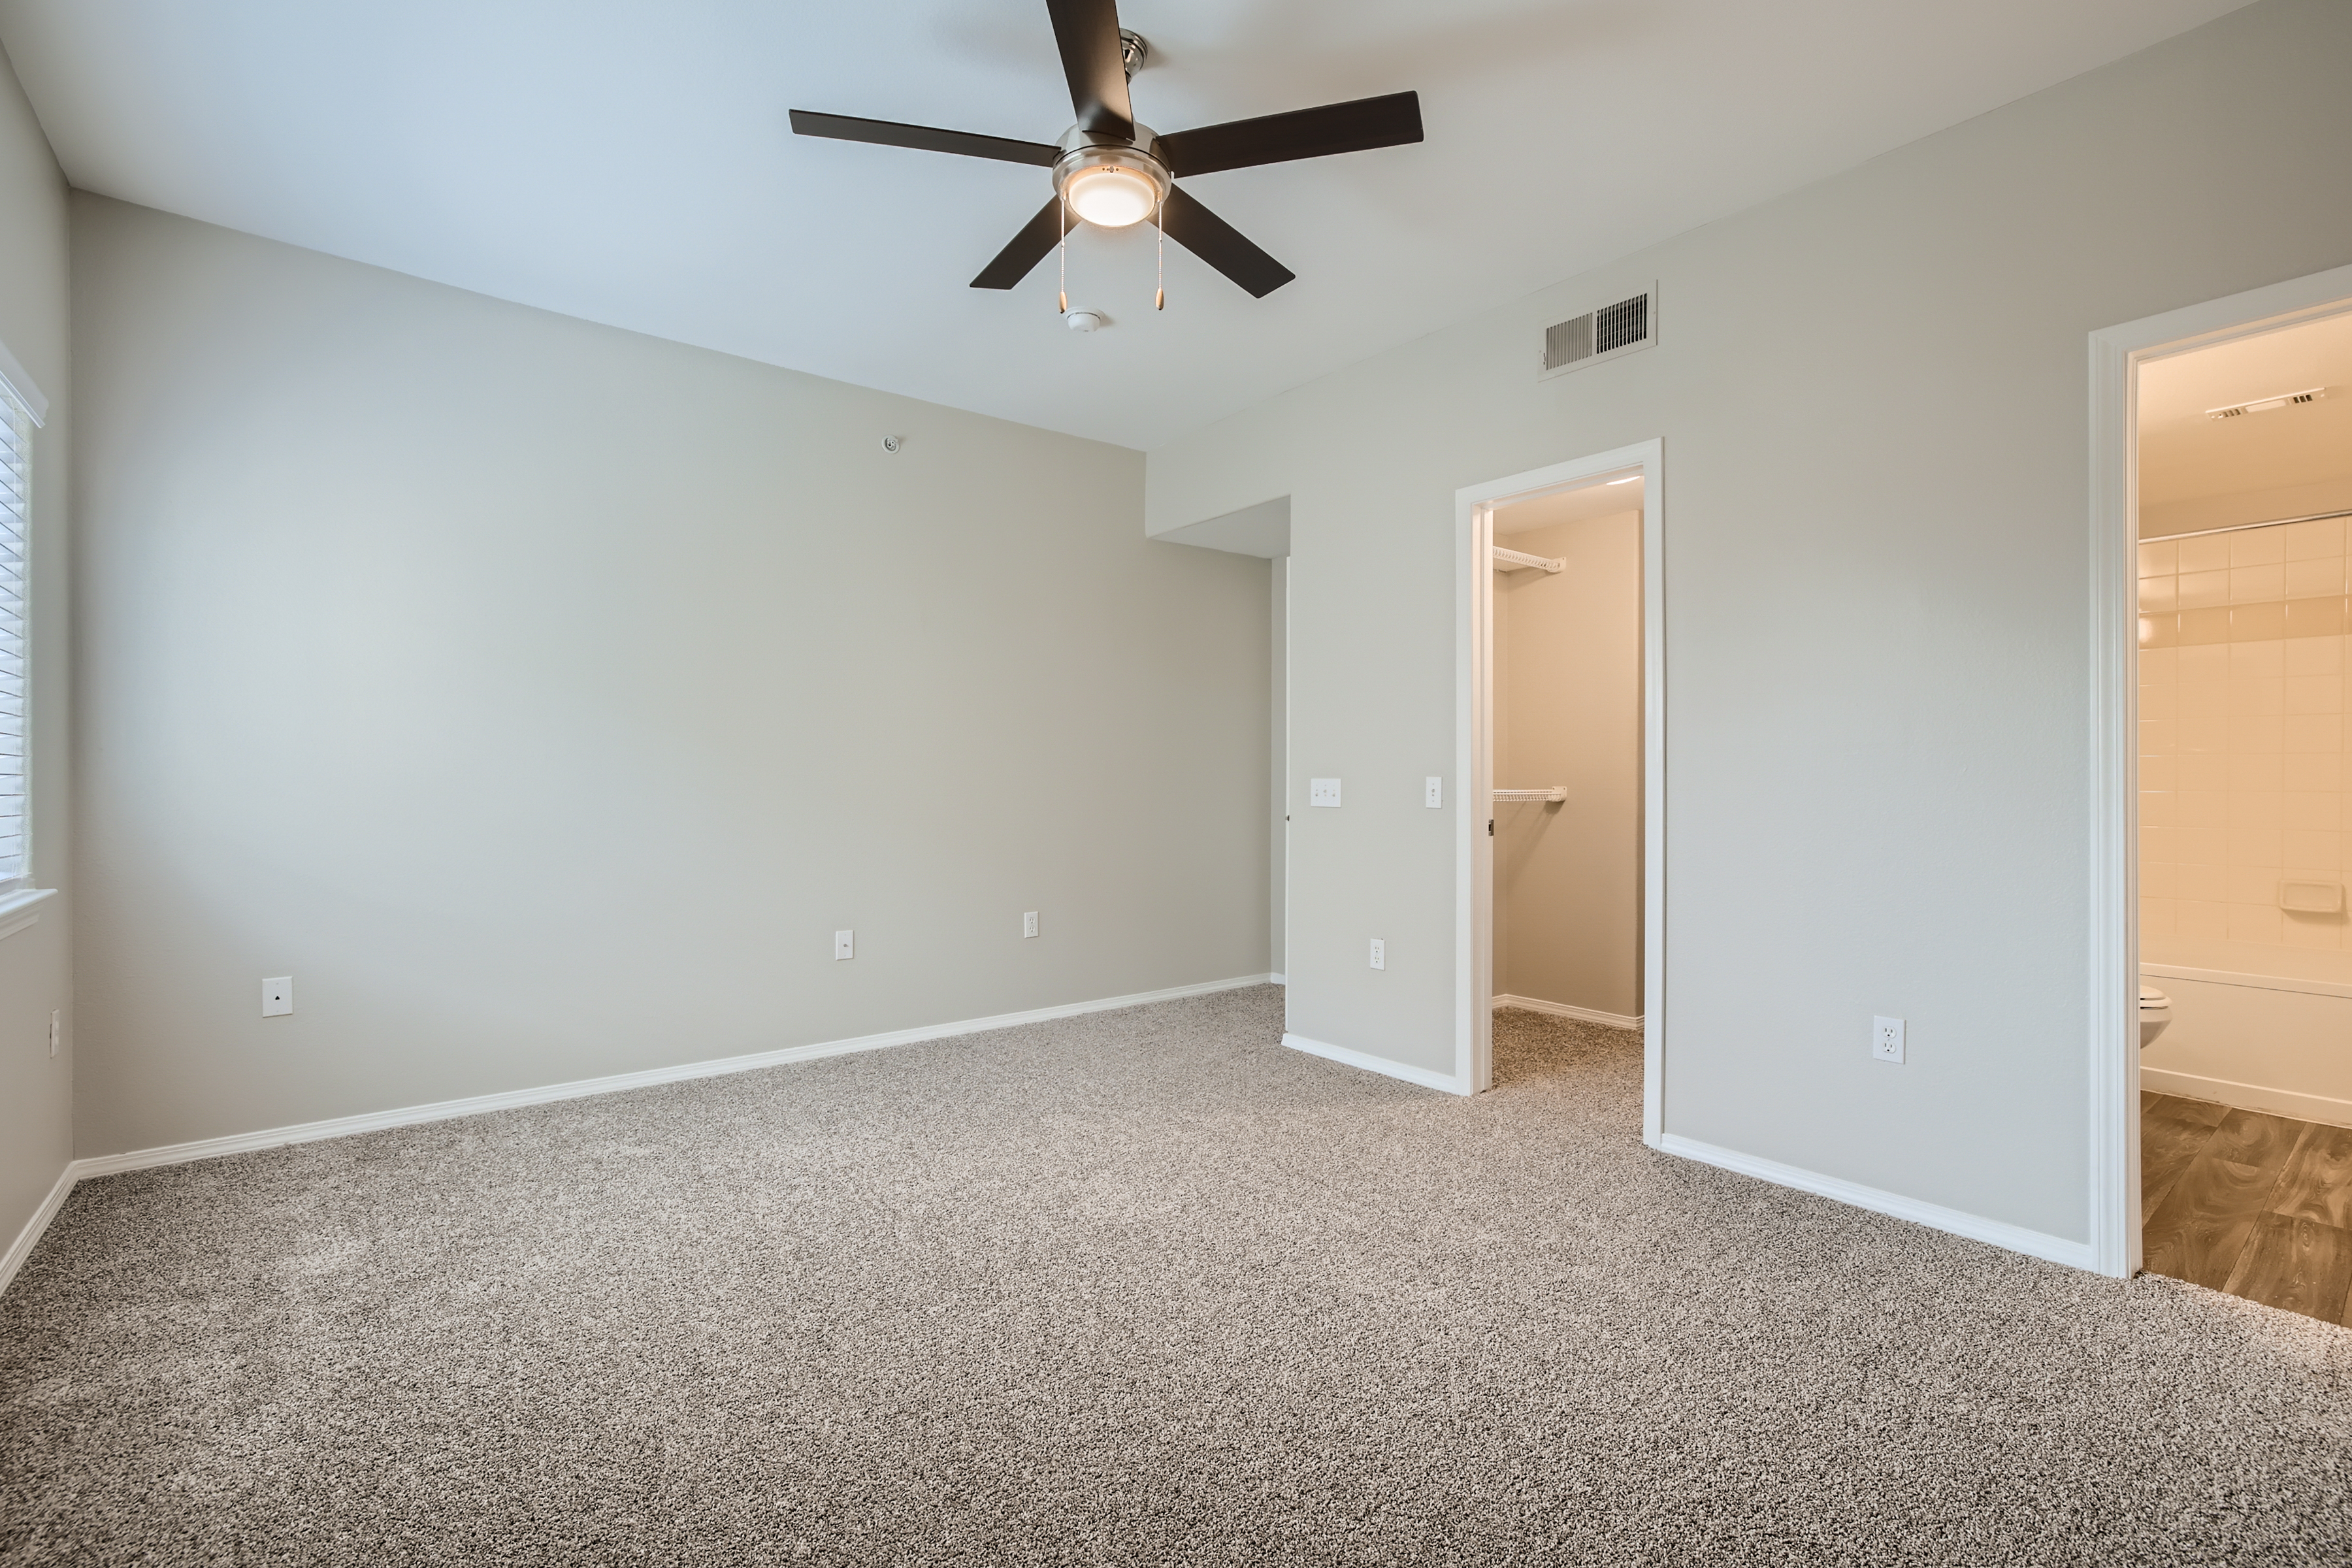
x,y
1562,827
2222,1081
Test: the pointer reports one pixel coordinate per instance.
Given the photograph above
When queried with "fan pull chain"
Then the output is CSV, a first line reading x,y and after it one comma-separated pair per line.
x,y
1160,220
1064,249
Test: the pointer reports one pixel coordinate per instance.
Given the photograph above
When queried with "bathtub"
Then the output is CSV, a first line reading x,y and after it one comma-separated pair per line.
x,y
2260,1041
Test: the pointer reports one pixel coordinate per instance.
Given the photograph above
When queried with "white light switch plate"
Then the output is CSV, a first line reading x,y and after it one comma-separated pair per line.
x,y
1433,792
1029,923
844,945
278,997
1379,953
1887,1039
1322,792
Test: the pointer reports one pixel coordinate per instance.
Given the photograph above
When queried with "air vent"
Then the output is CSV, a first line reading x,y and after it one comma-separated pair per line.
x,y
1605,333
2264,404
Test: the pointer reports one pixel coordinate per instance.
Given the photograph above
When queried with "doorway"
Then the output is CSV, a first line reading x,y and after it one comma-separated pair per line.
x,y
2202,892
1561,879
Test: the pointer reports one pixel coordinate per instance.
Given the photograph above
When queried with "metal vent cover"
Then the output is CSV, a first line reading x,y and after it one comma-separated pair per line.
x,y
1605,332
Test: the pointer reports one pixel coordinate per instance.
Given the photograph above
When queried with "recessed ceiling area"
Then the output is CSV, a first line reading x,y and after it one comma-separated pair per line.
x,y
632,163
2197,471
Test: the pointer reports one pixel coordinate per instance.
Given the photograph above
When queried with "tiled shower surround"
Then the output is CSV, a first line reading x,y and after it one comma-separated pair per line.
x,y
2242,744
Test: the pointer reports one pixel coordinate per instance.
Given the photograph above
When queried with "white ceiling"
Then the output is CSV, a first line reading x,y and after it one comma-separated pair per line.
x,y
1606,495
2290,461
630,163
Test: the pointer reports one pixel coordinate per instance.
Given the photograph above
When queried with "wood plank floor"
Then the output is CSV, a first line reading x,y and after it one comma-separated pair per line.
x,y
2258,1205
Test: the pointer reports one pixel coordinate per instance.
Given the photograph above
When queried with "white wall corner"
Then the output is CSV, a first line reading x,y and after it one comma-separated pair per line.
x,y
1935,1217
35,1227
1445,1082
1262,530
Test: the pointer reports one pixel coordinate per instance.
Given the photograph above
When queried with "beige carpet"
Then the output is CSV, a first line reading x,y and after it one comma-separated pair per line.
x,y
1138,1288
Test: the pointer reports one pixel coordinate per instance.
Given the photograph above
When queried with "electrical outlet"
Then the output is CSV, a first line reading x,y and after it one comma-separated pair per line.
x,y
1887,1039
1322,792
1432,793
278,997
844,945
1379,953
1029,923
56,1027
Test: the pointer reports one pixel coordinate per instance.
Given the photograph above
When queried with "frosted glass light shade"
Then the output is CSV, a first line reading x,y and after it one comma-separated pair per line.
x,y
1112,197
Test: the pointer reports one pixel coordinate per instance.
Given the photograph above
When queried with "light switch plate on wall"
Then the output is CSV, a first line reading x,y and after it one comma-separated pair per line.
x,y
844,945
1322,792
1433,792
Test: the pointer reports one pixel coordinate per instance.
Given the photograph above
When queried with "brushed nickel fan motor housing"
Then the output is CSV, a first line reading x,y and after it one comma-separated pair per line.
x,y
1083,149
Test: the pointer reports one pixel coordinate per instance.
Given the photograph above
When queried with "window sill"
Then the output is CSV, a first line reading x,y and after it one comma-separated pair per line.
x,y
19,911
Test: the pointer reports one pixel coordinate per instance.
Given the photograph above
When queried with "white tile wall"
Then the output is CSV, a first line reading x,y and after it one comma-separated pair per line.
x,y
2242,739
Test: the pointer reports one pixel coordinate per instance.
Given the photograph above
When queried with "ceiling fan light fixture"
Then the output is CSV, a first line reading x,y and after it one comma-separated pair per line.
x,y
1112,195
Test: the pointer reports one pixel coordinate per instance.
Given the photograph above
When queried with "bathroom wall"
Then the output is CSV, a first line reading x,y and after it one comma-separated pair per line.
x,y
2242,752
2242,748
1567,711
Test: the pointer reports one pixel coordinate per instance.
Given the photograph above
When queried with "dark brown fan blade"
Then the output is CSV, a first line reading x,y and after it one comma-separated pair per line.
x,y
1087,31
1221,246
1029,247
1386,122
890,133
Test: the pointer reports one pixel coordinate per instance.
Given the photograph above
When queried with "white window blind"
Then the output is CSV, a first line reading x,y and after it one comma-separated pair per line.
x,y
16,530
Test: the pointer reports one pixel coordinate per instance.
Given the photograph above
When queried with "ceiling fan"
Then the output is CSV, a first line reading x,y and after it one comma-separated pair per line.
x,y
1112,171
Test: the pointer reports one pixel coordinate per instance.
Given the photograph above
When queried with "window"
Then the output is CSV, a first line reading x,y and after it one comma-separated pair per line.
x,y
16,530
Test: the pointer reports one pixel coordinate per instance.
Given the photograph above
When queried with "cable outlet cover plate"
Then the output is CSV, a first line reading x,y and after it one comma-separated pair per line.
x,y
278,997
1887,1039
844,945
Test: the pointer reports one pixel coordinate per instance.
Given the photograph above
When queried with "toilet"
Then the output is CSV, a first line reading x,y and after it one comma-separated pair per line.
x,y
2155,1013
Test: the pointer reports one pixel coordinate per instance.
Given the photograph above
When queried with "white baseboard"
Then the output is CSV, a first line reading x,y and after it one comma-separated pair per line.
x,y
447,1110
1935,1217
21,1248
1445,1081
1564,1010
2248,1096
1277,979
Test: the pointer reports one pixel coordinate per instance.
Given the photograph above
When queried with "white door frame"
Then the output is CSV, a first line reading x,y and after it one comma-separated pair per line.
x,y
2117,355
1474,883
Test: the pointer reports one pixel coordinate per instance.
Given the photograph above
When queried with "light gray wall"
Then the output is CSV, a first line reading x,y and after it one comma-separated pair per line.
x,y
36,968
1872,395
1567,711
1277,848
542,696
